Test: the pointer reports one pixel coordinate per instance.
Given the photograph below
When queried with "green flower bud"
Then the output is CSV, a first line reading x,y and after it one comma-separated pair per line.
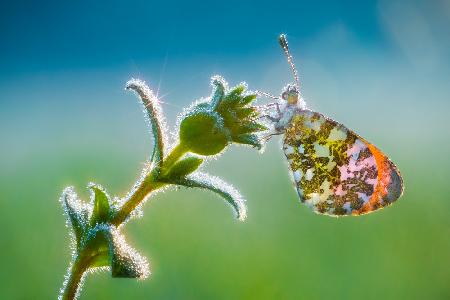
x,y
227,117
202,132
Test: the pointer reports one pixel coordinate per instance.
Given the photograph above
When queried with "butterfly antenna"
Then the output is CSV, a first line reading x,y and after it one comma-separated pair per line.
x,y
284,44
267,95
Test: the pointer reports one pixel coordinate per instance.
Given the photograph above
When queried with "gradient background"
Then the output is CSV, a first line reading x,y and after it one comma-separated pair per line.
x,y
380,67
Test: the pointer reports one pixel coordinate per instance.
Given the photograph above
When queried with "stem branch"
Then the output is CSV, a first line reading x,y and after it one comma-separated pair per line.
x,y
149,184
177,152
145,188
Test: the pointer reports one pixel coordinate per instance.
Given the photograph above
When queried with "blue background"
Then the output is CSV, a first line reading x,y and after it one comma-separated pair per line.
x,y
380,67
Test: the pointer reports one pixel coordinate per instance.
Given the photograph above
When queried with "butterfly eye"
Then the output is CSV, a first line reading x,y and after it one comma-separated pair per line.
x,y
290,94
292,98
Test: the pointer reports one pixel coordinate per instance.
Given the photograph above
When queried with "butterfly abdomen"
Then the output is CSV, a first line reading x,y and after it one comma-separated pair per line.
x,y
335,171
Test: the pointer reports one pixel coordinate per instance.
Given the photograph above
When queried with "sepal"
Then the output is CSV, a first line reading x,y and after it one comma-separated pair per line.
x,y
101,204
76,212
111,250
126,262
218,186
184,167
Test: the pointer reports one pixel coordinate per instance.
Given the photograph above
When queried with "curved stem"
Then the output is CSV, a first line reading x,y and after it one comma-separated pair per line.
x,y
145,188
75,273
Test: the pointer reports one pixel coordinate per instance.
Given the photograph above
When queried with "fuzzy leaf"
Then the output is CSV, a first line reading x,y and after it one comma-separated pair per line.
x,y
76,212
101,208
154,114
125,261
237,91
99,242
251,127
230,101
248,99
248,139
233,99
112,250
218,186
185,167
220,86
245,112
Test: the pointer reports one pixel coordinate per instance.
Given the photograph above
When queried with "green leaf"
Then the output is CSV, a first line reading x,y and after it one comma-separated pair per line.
x,y
228,104
76,211
108,247
220,86
218,186
98,244
184,167
251,127
245,112
125,261
247,99
233,99
101,208
155,116
237,90
248,139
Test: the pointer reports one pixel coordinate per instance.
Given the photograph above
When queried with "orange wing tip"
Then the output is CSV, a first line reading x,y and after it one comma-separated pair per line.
x,y
389,187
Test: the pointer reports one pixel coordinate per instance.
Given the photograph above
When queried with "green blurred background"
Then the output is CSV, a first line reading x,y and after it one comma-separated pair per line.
x,y
380,67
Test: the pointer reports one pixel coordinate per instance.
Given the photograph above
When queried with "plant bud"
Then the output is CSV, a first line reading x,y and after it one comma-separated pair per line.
x,y
203,133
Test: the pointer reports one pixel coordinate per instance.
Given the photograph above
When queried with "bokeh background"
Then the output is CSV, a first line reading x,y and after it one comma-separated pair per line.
x,y
380,67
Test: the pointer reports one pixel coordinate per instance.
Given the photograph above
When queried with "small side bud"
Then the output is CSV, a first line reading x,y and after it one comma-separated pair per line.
x,y
185,167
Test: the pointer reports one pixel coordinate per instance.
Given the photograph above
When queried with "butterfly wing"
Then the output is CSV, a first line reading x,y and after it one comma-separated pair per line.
x,y
336,172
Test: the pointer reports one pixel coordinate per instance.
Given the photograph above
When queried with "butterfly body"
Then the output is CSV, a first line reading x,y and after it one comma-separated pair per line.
x,y
335,171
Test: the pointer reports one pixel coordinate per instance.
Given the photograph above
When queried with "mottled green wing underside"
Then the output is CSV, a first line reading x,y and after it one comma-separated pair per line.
x,y
335,171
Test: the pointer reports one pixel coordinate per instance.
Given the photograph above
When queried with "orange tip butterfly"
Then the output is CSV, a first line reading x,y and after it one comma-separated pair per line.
x,y
335,171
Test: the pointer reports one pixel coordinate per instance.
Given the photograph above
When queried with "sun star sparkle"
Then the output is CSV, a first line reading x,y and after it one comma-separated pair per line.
x,y
335,171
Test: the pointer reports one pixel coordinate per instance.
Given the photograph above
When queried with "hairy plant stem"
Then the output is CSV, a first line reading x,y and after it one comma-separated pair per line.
x,y
147,186
87,255
76,273
177,152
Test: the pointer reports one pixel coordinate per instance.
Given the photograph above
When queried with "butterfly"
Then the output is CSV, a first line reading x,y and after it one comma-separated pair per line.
x,y
335,171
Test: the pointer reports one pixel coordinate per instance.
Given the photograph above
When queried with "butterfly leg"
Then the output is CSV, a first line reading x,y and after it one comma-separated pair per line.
x,y
266,138
273,130
278,109
270,118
